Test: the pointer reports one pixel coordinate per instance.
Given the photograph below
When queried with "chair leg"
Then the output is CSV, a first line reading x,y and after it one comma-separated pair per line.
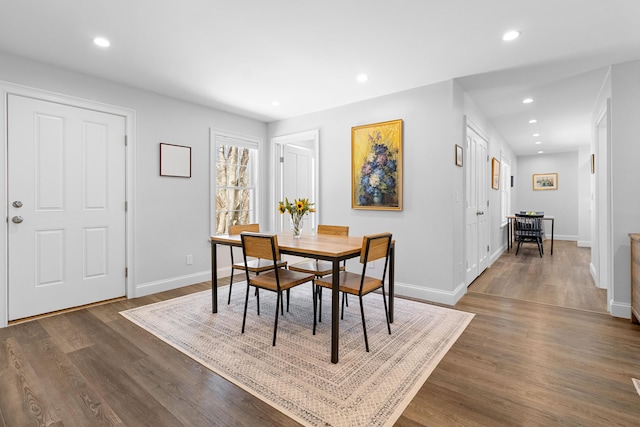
x,y
230,286
246,302
258,300
342,306
319,291
315,303
364,325
288,292
539,247
275,323
386,310
518,247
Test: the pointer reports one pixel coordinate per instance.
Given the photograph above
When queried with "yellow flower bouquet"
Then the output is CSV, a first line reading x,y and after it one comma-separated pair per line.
x,y
297,209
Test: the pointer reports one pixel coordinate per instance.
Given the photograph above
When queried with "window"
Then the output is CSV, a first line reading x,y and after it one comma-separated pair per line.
x,y
235,165
505,189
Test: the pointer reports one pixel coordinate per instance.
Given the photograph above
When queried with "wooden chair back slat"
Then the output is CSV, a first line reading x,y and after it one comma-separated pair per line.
x,y
263,246
375,246
237,229
335,230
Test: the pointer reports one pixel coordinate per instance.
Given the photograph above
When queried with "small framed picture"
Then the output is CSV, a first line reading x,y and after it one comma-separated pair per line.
x,y
458,155
545,181
175,160
495,173
593,163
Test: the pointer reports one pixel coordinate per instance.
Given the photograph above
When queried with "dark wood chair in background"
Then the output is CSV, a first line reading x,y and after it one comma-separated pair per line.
x,y
376,246
528,228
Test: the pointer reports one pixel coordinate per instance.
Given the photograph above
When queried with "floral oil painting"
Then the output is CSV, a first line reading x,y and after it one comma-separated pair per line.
x,y
376,166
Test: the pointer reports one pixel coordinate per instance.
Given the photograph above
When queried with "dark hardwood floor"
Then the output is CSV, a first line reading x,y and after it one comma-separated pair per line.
x,y
519,363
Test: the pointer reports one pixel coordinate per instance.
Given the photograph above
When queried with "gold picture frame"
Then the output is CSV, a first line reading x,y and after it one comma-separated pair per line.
x,y
495,173
545,181
376,166
458,155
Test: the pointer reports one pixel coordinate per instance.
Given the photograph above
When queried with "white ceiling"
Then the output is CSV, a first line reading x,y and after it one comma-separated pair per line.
x,y
241,55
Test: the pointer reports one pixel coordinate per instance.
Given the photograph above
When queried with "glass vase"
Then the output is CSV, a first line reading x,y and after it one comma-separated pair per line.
x,y
296,227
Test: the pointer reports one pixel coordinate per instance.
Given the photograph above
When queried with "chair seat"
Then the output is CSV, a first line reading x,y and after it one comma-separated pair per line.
x,y
350,283
259,265
318,268
288,279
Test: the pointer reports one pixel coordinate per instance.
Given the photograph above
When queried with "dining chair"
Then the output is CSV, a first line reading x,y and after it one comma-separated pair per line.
x,y
528,228
265,246
375,246
254,265
321,268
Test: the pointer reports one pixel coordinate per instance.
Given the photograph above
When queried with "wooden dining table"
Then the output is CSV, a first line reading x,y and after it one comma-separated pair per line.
x,y
325,247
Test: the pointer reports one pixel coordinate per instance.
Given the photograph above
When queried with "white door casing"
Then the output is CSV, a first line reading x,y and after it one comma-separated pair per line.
x,y
476,208
301,152
66,166
298,163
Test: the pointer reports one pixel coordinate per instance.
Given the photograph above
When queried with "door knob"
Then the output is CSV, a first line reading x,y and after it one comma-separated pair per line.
x,y
17,219
17,204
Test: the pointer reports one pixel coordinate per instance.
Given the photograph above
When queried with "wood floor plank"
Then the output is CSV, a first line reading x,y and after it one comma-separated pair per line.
x,y
76,401
540,351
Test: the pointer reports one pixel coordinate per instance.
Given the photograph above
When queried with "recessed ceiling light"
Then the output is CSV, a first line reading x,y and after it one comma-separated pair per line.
x,y
538,142
540,152
275,103
511,35
527,100
102,42
533,121
536,134
362,78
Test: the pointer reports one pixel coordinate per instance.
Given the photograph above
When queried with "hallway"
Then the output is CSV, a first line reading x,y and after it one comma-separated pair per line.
x,y
561,280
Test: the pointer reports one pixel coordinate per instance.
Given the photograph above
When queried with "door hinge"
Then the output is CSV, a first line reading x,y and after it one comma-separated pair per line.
x,y
487,203
126,272
281,159
126,206
487,157
487,248
125,140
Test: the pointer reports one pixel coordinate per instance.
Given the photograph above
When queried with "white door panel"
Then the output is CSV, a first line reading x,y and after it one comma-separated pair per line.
x,y
66,165
476,211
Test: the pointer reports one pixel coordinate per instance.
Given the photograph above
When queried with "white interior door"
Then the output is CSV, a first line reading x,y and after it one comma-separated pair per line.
x,y
66,188
476,209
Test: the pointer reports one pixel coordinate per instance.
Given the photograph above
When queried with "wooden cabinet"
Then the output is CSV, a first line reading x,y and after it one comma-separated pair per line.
x,y
635,277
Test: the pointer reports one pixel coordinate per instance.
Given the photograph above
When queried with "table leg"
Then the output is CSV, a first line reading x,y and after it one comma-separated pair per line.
x,y
335,310
553,221
508,234
392,263
214,278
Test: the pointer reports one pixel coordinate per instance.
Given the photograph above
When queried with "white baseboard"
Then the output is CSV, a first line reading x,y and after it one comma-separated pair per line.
x,y
172,283
620,309
430,294
584,243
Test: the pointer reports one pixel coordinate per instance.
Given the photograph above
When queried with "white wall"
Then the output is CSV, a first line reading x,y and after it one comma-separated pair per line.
x,y
171,214
423,230
584,196
561,203
625,176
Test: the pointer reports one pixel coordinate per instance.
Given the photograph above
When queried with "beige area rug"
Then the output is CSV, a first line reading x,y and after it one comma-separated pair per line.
x,y
297,376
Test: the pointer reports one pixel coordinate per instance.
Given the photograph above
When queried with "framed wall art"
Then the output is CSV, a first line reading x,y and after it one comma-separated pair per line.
x,y
495,173
376,166
175,160
545,181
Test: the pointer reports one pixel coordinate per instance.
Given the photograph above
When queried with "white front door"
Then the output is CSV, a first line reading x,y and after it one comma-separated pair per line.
x,y
476,209
66,189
